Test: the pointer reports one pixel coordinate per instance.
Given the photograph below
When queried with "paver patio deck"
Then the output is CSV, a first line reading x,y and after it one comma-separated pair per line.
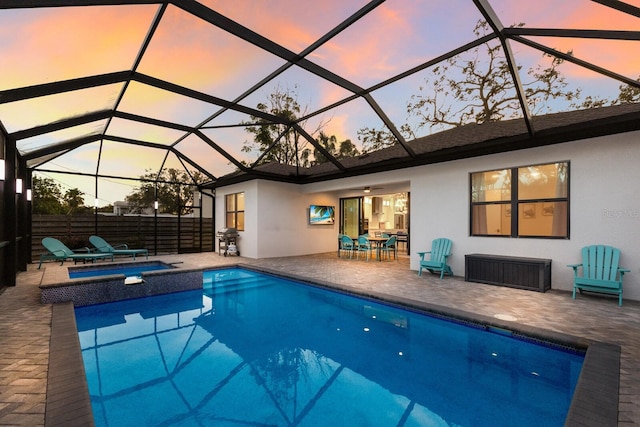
x,y
25,323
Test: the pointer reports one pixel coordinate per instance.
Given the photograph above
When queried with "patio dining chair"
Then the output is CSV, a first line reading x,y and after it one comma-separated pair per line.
x,y
390,247
363,246
346,244
403,238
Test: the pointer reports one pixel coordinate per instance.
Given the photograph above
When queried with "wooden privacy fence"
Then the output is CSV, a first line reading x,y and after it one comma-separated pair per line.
x,y
159,235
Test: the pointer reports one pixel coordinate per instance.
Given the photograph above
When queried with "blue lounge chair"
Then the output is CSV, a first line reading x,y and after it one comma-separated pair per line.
x,y
58,251
600,271
440,251
102,246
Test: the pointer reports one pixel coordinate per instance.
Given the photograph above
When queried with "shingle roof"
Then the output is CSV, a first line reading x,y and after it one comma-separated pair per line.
x,y
466,141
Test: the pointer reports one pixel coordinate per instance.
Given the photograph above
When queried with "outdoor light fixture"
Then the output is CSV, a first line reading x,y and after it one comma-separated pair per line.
x,y
1,169
155,205
28,194
18,186
367,189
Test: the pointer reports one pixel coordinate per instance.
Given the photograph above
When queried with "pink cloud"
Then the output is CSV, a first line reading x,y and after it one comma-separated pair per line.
x,y
292,23
195,54
371,43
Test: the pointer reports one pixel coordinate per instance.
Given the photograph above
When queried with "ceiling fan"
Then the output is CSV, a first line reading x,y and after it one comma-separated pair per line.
x,y
369,189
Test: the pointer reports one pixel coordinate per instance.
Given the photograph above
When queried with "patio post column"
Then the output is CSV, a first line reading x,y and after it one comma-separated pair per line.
x,y
155,220
9,212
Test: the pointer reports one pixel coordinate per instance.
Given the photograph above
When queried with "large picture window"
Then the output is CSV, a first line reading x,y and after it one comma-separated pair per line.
x,y
234,211
526,201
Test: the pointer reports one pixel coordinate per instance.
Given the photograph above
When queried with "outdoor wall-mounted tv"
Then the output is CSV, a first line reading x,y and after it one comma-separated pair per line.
x,y
322,214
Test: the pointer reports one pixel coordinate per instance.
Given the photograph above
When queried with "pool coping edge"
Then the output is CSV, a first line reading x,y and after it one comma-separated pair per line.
x,y
68,403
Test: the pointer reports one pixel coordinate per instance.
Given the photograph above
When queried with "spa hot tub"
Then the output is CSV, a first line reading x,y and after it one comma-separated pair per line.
x,y
109,282
129,269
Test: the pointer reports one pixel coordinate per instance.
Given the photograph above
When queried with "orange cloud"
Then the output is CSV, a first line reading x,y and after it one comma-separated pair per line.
x,y
55,44
292,24
619,56
118,159
338,125
195,54
29,113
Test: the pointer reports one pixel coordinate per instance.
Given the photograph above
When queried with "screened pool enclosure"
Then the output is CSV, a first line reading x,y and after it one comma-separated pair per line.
x,y
103,96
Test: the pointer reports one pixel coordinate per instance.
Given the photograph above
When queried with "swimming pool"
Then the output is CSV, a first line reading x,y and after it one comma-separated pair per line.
x,y
128,269
254,349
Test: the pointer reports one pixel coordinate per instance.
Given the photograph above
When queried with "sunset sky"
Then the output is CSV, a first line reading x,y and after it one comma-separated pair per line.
x,y
43,45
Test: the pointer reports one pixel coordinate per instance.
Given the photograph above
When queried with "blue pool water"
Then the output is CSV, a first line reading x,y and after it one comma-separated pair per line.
x,y
127,270
256,350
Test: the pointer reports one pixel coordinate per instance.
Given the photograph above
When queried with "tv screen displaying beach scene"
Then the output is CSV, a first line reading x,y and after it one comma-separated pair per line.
x,y
322,214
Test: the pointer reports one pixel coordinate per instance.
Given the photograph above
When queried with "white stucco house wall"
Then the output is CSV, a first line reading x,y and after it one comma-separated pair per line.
x,y
604,208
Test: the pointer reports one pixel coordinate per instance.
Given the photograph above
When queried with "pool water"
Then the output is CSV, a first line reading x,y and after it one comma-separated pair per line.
x,y
253,349
127,270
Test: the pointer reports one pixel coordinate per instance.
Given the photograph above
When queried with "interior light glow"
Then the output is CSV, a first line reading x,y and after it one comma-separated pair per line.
x,y
18,186
367,189
28,194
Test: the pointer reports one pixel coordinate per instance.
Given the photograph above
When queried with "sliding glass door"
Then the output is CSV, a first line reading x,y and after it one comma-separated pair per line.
x,y
385,213
351,220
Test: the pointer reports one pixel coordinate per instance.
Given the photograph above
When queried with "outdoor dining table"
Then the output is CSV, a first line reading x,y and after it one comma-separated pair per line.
x,y
378,241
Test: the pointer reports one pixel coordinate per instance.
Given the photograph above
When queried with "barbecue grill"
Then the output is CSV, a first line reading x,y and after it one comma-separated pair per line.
x,y
228,241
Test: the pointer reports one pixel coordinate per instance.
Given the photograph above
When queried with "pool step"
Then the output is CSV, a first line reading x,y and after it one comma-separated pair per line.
x,y
233,282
